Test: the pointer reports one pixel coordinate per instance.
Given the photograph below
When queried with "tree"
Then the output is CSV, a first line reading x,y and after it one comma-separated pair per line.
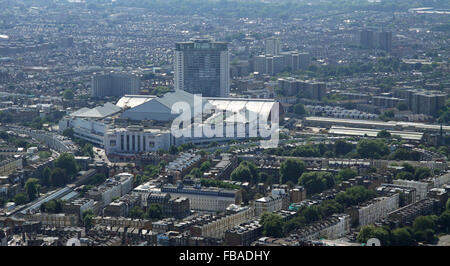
x,y
427,236
447,205
196,172
423,223
154,211
246,172
205,166
354,195
173,149
384,134
405,175
52,206
401,154
32,188
20,198
88,150
444,221
316,182
59,177
342,147
402,237
311,214
422,172
306,151
370,231
372,148
136,213
329,207
408,168
68,132
88,216
67,162
97,179
272,225
45,177
347,173
68,94
299,109
291,170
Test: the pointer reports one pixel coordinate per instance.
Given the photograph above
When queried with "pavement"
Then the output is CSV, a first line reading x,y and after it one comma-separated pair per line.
x,y
444,241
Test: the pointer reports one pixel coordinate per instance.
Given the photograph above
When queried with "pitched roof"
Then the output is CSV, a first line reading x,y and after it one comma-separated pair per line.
x,y
98,112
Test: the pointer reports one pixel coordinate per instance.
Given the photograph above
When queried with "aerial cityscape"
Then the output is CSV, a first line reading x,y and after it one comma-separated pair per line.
x,y
251,123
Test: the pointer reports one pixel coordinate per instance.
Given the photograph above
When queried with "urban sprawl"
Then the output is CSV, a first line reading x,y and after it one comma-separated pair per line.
x,y
356,93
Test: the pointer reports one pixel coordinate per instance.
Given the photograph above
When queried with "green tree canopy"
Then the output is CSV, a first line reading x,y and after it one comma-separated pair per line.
x,y
20,198
154,211
342,147
59,177
423,223
316,182
299,109
68,94
372,148
68,132
32,188
272,225
347,173
136,213
384,134
291,170
354,195
246,172
67,162
402,237
370,231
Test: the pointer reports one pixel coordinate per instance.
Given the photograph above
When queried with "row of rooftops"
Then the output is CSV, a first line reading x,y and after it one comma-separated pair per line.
x,y
414,207
208,191
319,226
183,161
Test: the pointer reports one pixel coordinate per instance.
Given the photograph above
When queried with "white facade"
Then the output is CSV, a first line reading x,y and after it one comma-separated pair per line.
x,y
332,228
114,187
268,204
422,188
205,199
272,46
133,140
90,130
378,209
218,227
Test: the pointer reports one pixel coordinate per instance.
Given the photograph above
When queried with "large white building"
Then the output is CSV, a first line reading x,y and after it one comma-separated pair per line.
x,y
90,124
135,139
140,123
